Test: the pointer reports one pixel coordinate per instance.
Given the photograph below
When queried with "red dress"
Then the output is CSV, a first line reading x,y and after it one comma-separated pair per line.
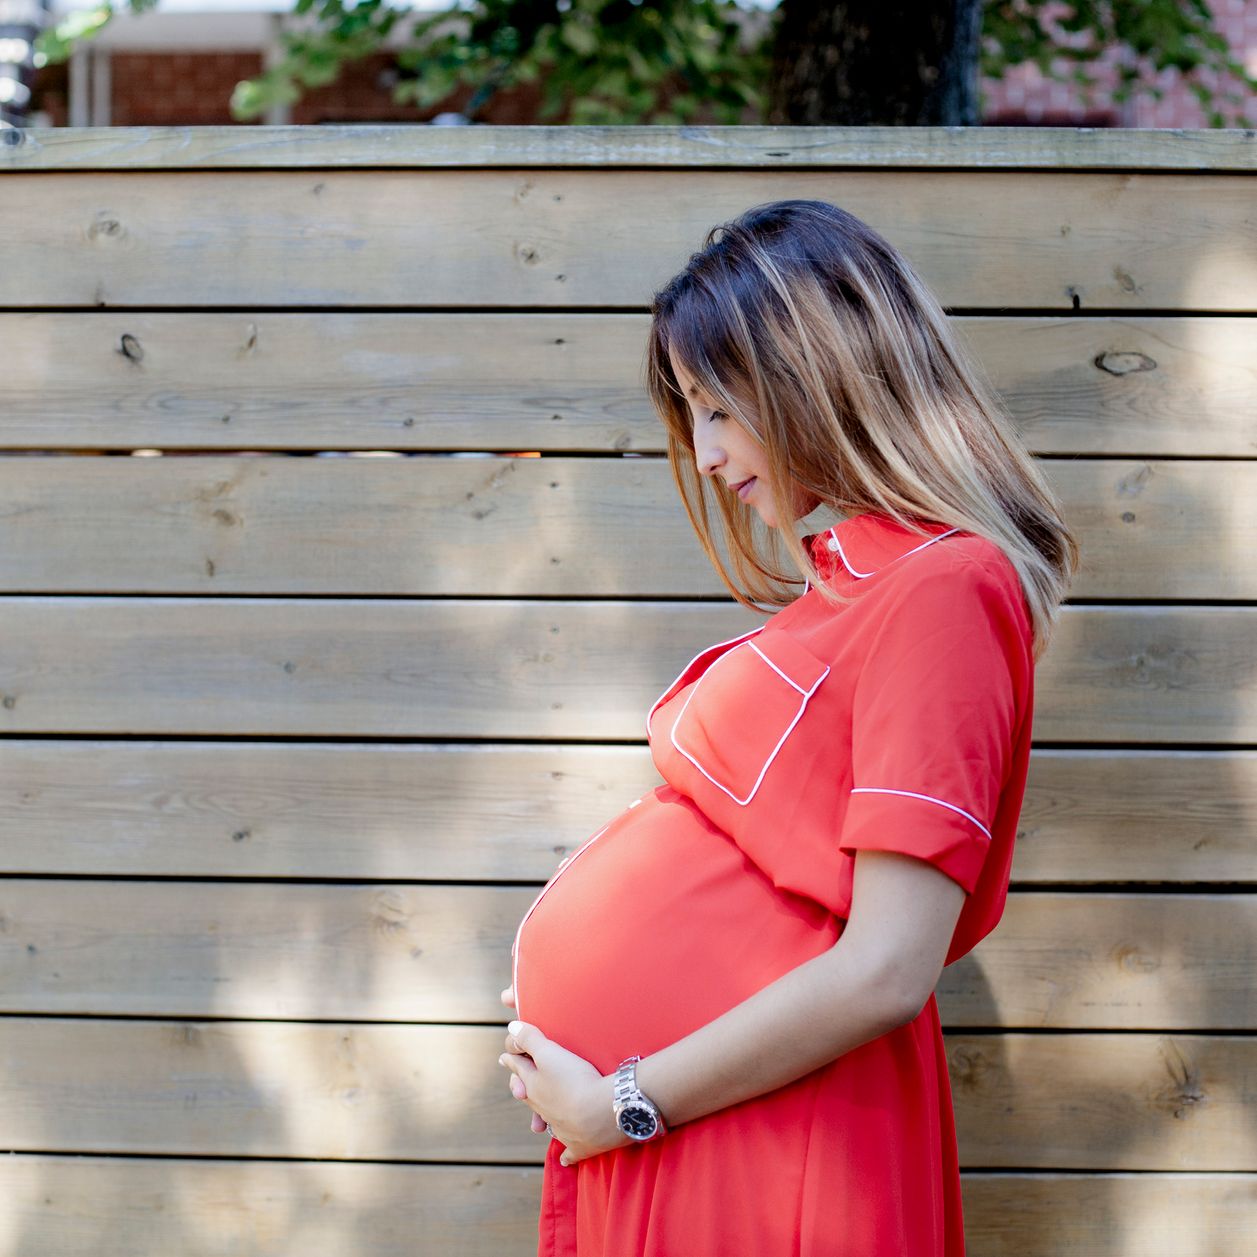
x,y
900,721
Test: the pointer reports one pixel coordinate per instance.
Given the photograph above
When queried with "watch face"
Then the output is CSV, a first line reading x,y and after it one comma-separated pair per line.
x,y
637,1122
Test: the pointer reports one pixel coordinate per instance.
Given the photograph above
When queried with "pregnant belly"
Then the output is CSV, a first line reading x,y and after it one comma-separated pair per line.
x,y
654,927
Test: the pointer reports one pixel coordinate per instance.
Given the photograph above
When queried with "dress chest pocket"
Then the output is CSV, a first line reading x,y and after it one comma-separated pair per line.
x,y
740,712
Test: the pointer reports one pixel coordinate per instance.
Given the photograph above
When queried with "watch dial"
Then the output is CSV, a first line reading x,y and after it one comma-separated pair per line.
x,y
638,1123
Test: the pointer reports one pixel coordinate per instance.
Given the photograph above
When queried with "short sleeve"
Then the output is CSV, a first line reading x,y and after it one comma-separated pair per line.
x,y
935,713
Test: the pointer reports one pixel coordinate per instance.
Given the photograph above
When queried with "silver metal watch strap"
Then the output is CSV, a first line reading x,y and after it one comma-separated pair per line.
x,y
626,1087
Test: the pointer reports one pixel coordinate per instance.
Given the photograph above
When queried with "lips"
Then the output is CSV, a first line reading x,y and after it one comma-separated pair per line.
x,y
744,487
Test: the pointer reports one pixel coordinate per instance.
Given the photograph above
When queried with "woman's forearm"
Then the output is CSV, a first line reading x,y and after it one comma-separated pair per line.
x,y
812,1014
877,976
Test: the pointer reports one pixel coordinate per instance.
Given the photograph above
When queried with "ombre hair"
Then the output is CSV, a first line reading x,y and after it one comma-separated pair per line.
x,y
808,328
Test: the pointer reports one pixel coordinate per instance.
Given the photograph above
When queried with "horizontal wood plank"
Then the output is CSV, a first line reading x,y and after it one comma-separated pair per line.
x,y
345,953
500,668
61,1206
342,810
1110,962
1146,1102
324,1090
101,1206
489,812
1138,816
682,146
436,526
347,667
1109,1215
437,1093
539,238
442,953
201,380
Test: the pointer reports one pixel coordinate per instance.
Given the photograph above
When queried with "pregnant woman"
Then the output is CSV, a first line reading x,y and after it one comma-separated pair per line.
x,y
724,998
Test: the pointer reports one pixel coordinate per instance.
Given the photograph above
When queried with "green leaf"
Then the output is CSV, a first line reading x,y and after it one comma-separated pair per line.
x,y
579,38
58,42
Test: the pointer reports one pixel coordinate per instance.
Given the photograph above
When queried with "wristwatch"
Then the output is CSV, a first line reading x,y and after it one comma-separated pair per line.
x,y
635,1115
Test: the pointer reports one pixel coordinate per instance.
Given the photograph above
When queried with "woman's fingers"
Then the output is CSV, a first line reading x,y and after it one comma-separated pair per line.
x,y
521,1067
525,1039
519,1089
508,996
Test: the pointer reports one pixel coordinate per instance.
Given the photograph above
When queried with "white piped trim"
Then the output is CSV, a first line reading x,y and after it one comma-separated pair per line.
x,y
564,865
806,694
837,545
705,651
794,685
929,798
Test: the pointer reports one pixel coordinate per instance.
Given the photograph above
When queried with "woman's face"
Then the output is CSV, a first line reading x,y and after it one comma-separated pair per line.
x,y
725,449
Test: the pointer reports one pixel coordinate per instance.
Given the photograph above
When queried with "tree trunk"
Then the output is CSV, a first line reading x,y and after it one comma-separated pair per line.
x,y
876,62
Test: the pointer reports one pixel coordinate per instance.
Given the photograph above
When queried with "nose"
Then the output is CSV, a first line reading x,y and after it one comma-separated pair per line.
x,y
708,456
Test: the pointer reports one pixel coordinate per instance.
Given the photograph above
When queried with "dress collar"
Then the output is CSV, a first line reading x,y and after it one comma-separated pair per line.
x,y
862,545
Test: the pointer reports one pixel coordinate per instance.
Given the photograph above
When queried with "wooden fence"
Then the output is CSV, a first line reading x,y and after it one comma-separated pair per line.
x,y
291,740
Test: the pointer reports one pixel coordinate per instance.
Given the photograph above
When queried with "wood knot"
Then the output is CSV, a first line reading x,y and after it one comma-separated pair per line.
x,y
1185,1094
1130,958
1124,362
1126,281
1133,485
388,912
104,224
968,1067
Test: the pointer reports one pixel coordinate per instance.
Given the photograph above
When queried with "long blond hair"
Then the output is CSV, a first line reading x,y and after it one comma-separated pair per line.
x,y
815,334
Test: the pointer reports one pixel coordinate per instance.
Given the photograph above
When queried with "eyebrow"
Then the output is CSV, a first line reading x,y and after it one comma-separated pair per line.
x,y
693,390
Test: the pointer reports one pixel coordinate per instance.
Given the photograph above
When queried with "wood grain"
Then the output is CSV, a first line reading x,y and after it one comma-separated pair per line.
x,y
102,1206
643,146
539,527
1109,1214
1146,386
436,1093
488,811
1104,1102
501,668
546,238
437,953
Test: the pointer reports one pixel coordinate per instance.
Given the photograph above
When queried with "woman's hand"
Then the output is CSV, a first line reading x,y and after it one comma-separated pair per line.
x,y
508,998
563,1090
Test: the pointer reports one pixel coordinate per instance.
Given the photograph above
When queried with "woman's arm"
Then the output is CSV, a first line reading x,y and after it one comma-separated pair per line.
x,y
877,976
